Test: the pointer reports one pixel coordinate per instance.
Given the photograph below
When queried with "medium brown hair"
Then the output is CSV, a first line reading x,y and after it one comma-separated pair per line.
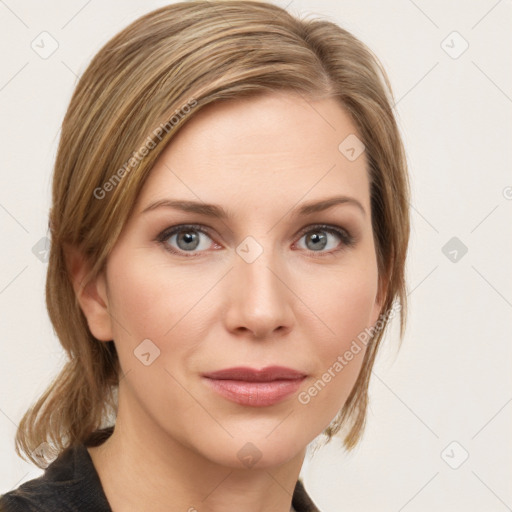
x,y
142,86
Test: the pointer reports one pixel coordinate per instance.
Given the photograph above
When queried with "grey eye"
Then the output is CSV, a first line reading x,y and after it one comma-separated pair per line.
x,y
322,239
316,241
187,239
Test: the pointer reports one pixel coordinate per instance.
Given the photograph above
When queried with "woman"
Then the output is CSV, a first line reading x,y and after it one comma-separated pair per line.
x,y
229,232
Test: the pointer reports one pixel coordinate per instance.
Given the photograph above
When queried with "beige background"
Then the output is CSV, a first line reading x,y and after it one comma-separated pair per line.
x,y
446,395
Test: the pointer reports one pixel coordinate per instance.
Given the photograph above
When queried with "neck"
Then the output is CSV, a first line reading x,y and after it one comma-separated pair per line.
x,y
155,472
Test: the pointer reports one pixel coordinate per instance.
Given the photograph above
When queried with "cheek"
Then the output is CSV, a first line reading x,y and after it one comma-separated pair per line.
x,y
152,300
344,302
147,298
149,301
345,307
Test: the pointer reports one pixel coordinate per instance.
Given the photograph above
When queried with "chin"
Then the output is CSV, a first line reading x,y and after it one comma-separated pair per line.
x,y
258,452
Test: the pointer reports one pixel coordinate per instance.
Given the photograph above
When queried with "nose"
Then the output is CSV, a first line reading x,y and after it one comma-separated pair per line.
x,y
260,303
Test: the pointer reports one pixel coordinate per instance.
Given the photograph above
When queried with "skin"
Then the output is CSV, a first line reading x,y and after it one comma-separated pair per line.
x,y
298,305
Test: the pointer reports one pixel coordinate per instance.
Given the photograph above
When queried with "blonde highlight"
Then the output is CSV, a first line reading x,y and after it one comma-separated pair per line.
x,y
205,52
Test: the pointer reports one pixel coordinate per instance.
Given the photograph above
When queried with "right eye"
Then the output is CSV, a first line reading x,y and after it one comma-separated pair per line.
x,y
184,238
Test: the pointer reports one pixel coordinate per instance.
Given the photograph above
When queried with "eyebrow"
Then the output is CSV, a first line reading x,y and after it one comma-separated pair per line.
x,y
216,211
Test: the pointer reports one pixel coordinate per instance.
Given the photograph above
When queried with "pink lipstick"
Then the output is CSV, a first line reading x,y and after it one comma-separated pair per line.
x,y
256,388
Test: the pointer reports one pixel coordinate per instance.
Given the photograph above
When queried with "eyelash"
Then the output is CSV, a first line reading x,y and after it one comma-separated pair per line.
x,y
347,240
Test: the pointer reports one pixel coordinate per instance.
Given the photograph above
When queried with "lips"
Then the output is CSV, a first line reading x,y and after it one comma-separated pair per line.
x,y
251,375
256,388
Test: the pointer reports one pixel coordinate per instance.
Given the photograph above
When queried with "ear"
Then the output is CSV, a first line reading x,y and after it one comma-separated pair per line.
x,y
92,296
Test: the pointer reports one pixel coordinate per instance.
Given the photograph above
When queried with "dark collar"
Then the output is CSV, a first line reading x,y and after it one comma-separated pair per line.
x,y
69,483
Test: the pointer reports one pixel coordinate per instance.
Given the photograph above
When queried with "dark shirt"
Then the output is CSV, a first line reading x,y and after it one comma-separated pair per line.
x,y
71,484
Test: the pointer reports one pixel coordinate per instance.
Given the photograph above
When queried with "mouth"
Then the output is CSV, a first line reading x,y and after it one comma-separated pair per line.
x,y
256,388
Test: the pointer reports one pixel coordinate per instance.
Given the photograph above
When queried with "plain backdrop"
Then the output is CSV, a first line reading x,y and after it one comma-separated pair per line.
x,y
439,423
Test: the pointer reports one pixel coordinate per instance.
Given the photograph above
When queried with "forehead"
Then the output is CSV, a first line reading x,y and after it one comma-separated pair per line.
x,y
259,150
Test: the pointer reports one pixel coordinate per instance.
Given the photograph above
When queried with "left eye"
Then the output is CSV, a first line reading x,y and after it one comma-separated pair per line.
x,y
317,238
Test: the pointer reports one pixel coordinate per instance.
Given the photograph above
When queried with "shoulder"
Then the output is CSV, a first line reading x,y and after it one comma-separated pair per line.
x,y
301,501
69,483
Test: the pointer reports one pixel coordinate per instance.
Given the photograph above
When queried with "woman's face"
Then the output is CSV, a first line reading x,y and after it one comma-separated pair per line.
x,y
237,276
